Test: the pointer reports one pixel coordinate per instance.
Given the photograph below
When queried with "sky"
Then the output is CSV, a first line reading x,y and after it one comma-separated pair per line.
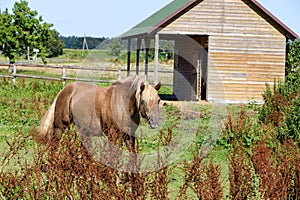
x,y
110,18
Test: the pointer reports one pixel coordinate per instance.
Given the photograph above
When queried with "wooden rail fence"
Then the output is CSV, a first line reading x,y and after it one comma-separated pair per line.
x,y
14,75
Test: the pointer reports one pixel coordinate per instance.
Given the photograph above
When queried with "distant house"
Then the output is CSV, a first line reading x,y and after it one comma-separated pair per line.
x,y
225,50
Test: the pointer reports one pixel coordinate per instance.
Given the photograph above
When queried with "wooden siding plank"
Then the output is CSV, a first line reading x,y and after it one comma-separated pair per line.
x,y
245,51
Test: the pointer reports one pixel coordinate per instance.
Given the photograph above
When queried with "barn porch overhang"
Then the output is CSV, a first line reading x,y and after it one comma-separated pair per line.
x,y
146,40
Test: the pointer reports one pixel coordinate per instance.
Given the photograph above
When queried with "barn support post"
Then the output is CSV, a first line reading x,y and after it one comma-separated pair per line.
x,y
147,44
128,56
199,75
156,58
138,49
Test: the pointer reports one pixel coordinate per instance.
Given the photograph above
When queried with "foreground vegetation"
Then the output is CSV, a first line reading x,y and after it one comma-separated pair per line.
x,y
257,156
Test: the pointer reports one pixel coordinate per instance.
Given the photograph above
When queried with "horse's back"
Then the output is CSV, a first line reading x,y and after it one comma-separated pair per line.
x,y
84,109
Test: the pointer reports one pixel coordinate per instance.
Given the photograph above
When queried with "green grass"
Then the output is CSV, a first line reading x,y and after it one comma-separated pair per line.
x,y
77,54
22,106
71,56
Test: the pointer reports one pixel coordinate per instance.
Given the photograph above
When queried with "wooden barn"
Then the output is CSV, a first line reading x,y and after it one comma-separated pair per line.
x,y
225,50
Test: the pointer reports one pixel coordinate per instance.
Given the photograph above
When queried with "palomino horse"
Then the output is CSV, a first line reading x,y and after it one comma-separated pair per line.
x,y
94,109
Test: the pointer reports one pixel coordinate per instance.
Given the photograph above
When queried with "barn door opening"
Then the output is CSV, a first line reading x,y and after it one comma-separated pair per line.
x,y
190,67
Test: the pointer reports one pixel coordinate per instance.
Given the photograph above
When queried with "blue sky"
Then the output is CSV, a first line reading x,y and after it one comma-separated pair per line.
x,y
111,18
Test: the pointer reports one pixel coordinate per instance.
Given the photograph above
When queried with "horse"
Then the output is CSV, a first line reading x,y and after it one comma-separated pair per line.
x,y
94,110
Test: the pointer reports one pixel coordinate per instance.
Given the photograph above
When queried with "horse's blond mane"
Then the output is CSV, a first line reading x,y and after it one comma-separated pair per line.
x,y
134,83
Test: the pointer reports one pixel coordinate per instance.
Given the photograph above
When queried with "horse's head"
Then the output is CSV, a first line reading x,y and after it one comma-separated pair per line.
x,y
149,104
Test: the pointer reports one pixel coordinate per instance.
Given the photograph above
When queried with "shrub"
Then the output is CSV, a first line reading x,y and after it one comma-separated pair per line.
x,y
239,130
240,177
275,165
282,107
203,178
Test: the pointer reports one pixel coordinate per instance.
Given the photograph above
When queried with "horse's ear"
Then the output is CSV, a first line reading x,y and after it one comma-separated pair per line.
x,y
157,86
142,87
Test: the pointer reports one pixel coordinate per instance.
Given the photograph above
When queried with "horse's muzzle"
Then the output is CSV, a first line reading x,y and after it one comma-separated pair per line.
x,y
153,122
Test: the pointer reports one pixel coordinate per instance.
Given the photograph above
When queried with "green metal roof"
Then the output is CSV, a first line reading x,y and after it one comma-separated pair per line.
x,y
155,19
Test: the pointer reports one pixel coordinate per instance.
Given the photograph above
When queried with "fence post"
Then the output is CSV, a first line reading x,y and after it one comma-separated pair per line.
x,y
119,74
14,72
63,75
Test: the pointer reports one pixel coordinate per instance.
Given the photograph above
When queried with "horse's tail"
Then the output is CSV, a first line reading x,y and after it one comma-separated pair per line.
x,y
45,131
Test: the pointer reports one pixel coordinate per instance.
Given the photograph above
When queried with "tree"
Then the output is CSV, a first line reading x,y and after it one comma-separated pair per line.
x,y
32,31
293,56
22,31
9,44
115,46
54,45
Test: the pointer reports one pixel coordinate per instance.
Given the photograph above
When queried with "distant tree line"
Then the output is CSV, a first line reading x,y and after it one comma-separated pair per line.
x,y
23,33
74,42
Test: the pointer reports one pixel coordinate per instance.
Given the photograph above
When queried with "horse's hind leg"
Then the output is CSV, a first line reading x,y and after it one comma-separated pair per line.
x,y
62,114
57,133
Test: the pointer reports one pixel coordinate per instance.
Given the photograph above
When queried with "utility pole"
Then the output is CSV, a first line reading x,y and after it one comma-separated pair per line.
x,y
84,45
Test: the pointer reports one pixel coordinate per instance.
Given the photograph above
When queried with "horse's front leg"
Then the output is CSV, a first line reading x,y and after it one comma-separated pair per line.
x,y
130,138
133,165
130,142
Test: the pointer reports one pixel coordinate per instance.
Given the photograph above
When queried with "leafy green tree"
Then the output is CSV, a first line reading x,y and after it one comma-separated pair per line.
x,y
293,56
54,45
32,31
23,30
9,45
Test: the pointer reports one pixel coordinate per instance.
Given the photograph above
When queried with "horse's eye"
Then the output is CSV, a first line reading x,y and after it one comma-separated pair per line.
x,y
143,102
